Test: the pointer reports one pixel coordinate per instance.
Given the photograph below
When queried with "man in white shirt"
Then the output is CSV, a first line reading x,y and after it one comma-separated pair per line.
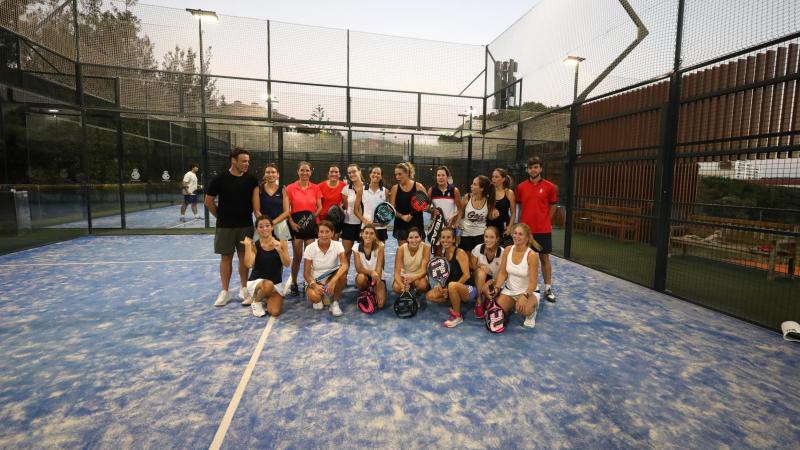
x,y
189,187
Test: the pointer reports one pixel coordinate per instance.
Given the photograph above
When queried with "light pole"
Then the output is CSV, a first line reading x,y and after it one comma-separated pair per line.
x,y
211,16
576,61
463,116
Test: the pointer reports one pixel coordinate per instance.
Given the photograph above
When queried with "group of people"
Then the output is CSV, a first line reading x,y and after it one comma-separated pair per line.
x,y
488,248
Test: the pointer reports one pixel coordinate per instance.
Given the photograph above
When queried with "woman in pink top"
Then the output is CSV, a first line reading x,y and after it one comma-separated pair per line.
x,y
304,196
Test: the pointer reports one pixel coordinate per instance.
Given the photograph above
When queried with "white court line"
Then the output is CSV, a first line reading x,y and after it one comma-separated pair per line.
x,y
107,262
237,396
183,224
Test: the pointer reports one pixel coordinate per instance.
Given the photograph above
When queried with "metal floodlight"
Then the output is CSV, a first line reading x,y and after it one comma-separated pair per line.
x,y
573,60
53,111
201,14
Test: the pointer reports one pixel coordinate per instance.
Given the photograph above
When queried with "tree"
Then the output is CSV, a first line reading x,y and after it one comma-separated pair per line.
x,y
318,115
181,72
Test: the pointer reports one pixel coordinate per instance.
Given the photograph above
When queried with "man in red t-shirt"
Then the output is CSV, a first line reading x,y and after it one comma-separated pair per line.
x,y
537,198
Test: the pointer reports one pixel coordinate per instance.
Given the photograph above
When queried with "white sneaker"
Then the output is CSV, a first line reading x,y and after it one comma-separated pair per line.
x,y
222,299
244,295
335,310
530,321
258,309
317,306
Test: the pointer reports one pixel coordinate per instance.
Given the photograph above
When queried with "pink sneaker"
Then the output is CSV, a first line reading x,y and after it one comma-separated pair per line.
x,y
479,311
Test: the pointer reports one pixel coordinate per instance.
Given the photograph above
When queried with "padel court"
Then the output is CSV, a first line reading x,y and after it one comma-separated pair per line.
x,y
114,342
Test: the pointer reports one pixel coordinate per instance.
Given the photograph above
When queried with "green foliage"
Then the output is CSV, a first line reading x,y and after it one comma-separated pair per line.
x,y
726,197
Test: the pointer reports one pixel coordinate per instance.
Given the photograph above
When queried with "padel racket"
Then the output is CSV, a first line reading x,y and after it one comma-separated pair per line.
x,y
494,317
435,227
384,213
366,299
439,270
420,201
305,220
406,305
323,280
336,214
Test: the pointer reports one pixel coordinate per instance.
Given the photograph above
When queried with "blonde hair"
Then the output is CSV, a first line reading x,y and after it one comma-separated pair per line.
x,y
527,230
406,167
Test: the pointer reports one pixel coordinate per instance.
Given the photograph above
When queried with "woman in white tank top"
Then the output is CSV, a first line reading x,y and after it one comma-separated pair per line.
x,y
369,260
476,209
517,277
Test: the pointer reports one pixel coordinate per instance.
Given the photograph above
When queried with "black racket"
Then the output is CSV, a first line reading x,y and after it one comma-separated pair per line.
x,y
439,270
305,220
420,201
384,213
435,227
336,214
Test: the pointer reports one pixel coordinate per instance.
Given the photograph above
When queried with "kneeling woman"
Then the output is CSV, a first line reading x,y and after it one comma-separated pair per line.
x,y
485,264
411,264
267,257
518,270
458,287
369,258
321,257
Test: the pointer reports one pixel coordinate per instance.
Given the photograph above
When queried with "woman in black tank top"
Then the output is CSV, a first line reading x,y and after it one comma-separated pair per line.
x,y
267,257
400,197
505,206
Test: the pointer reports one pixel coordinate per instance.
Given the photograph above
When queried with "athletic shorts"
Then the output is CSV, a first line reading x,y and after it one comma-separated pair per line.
x,y
513,296
545,240
251,287
350,232
228,240
190,199
469,242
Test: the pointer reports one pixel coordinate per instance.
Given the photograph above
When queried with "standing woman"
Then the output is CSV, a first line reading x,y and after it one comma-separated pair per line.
x,y
505,202
331,190
485,264
446,196
274,202
411,264
373,195
304,196
322,256
267,258
369,261
518,270
400,197
351,199
477,206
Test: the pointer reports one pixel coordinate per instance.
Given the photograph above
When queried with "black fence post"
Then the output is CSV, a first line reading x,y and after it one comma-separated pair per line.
x,y
469,158
80,101
120,151
411,150
280,152
569,178
666,161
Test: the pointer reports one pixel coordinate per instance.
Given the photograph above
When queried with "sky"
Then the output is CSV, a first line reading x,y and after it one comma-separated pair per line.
x,y
464,21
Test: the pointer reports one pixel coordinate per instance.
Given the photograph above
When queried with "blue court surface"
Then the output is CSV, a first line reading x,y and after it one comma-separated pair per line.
x,y
167,217
113,342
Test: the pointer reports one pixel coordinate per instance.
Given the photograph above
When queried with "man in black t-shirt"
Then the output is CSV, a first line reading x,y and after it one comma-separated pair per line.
x,y
238,198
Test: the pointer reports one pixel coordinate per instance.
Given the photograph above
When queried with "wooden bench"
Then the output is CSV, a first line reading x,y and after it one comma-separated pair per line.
x,y
722,241
615,221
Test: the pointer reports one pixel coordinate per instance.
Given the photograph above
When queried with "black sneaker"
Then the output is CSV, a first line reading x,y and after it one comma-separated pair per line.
x,y
550,296
295,291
